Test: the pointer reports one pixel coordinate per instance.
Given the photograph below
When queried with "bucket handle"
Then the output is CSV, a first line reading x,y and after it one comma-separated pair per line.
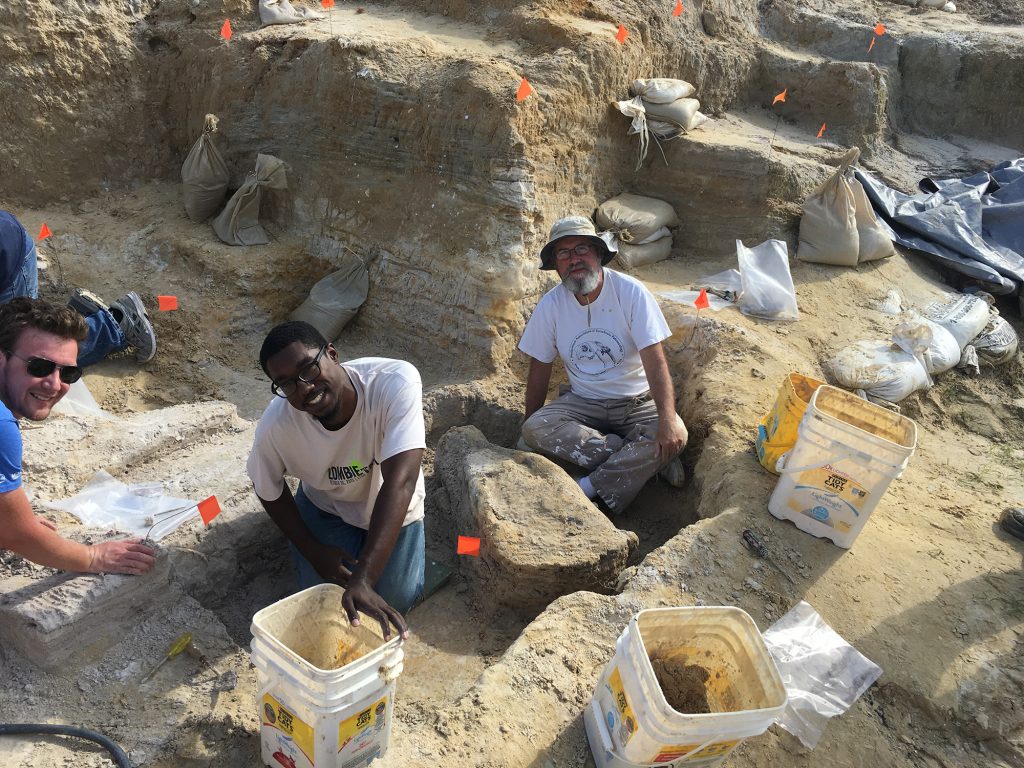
x,y
683,758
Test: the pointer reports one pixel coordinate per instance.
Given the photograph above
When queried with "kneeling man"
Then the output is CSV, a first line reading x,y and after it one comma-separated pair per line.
x,y
618,421
353,434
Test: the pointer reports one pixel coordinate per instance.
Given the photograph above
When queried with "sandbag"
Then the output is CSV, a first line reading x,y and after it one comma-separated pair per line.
x,y
634,218
768,289
204,176
929,342
681,112
239,222
828,227
283,12
637,255
658,235
661,90
666,131
873,242
997,343
963,315
880,368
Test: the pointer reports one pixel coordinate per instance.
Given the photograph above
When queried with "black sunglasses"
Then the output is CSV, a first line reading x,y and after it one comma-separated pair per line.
x,y
309,373
40,368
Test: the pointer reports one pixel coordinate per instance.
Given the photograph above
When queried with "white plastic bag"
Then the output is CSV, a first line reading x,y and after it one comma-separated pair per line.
x,y
681,112
661,90
768,289
283,12
929,342
997,343
823,674
880,368
963,315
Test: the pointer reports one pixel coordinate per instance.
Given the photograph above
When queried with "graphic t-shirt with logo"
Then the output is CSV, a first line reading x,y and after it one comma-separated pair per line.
x,y
602,357
10,451
340,469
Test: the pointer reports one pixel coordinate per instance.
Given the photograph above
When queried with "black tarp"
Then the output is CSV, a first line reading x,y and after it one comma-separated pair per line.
x,y
973,225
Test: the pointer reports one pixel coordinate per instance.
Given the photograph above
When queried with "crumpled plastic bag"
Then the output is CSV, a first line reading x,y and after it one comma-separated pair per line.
x,y
823,674
768,290
283,12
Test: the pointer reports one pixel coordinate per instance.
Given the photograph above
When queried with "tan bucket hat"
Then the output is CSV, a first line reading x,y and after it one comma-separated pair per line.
x,y
576,226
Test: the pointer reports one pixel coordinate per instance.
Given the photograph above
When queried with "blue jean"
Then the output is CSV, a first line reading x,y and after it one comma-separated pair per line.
x,y
401,581
105,335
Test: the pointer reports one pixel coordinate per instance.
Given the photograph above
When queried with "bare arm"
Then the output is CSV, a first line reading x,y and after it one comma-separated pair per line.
x,y
399,475
22,531
671,431
537,381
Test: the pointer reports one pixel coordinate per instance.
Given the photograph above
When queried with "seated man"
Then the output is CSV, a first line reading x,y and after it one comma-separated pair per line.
x,y
353,434
618,421
38,348
110,329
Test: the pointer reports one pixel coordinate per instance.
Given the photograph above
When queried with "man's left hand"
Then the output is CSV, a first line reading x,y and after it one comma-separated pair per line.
x,y
671,438
360,596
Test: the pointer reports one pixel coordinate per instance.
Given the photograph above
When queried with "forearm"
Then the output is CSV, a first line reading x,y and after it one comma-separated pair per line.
x,y
285,515
537,381
389,512
35,542
659,380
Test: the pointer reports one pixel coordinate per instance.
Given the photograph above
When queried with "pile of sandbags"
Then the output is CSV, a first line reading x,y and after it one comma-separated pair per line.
x,y
662,107
641,227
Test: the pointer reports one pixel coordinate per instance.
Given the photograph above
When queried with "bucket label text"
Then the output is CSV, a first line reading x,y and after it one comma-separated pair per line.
x,y
710,751
829,496
293,734
361,737
627,720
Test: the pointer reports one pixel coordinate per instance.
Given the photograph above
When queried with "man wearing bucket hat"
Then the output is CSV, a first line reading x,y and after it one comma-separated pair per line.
x,y
618,420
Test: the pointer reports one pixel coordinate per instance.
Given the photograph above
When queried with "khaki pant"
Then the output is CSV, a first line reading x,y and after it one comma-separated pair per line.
x,y
613,439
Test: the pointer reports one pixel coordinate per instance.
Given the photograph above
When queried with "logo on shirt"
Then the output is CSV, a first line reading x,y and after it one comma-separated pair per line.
x,y
348,473
595,351
12,478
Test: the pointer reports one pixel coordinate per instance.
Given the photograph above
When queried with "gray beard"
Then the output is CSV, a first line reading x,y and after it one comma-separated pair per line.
x,y
583,285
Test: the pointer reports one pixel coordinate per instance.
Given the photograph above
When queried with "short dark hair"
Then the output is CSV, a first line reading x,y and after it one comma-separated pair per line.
x,y
23,313
282,335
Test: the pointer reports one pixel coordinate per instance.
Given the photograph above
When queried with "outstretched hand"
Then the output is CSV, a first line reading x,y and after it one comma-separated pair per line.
x,y
128,556
361,597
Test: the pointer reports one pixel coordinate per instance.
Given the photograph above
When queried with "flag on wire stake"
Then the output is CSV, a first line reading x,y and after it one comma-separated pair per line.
x,y
468,545
225,31
44,232
622,34
821,130
678,10
525,89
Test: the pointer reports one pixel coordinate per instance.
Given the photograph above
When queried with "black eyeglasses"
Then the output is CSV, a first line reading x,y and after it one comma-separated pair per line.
x,y
580,250
308,374
40,368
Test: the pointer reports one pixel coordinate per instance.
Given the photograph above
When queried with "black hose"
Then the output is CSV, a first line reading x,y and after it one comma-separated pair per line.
x,y
22,729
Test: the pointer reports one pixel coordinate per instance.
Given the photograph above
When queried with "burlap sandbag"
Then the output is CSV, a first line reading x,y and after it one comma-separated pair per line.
x,y
828,227
873,241
681,112
634,218
637,255
204,176
661,90
239,222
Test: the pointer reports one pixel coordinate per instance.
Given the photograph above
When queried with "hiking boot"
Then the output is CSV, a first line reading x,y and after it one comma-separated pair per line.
x,y
673,473
86,302
134,321
1012,522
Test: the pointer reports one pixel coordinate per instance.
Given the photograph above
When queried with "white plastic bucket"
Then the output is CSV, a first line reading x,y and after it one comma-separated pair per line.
x,y
335,299
847,453
325,689
743,689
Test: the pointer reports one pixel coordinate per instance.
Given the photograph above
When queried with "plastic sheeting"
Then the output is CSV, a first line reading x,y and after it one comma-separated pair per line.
x,y
973,225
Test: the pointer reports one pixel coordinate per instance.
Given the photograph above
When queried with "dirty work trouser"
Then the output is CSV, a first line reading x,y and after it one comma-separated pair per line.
x,y
105,335
401,581
613,439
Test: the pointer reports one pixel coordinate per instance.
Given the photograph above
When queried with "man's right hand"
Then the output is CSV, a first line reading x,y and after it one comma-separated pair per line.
x,y
333,564
129,556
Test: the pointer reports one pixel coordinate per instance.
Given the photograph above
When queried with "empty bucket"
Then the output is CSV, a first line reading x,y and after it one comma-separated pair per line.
x,y
847,453
335,299
325,689
776,434
686,685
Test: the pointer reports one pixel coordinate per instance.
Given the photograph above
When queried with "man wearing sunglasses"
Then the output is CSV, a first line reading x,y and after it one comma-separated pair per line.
x,y
123,324
353,435
618,421
38,351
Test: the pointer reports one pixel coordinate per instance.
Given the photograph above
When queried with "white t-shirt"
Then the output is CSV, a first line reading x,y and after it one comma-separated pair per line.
x,y
340,469
602,357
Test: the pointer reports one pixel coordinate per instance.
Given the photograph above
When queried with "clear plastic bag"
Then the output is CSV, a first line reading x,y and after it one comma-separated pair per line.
x,y
823,674
768,289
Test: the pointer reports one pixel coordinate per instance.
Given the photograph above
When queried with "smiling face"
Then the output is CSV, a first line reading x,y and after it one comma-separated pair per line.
x,y
29,397
320,398
580,272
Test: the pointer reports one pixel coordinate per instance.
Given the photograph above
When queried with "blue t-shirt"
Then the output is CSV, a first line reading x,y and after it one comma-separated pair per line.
x,y
15,244
10,451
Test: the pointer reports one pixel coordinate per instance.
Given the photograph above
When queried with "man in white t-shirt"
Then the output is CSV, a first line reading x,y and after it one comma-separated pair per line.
x,y
619,420
353,434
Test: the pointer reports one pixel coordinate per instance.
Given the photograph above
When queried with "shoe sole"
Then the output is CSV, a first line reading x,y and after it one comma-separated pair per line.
x,y
144,317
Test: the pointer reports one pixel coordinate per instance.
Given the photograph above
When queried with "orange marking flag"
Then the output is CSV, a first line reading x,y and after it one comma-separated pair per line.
x,y
872,45
468,545
821,130
780,97
44,232
225,31
879,29
622,34
327,4
209,509
702,300
678,11
167,303
525,90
